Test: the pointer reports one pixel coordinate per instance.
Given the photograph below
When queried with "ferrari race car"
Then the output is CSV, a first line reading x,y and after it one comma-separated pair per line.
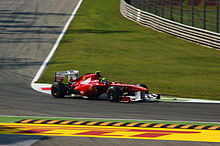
x,y
93,85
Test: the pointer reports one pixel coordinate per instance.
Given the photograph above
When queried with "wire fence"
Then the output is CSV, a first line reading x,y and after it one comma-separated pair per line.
x,y
203,14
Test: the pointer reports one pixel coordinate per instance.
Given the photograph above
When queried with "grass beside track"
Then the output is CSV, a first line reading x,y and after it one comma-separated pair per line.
x,y
99,38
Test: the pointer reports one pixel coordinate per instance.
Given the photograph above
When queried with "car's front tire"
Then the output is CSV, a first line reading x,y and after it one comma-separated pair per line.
x,y
114,93
58,90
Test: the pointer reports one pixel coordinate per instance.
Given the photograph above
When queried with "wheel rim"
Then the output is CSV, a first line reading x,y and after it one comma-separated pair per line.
x,y
111,95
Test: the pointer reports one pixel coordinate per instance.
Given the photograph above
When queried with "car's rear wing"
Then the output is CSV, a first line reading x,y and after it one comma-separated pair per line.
x,y
60,76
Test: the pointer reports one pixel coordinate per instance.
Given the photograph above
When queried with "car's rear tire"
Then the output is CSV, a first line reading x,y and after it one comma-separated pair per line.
x,y
58,90
114,93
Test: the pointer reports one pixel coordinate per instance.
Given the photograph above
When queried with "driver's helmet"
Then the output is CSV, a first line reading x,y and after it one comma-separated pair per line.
x,y
98,73
103,80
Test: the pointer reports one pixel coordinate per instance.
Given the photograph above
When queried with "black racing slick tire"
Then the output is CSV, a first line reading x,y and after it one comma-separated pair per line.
x,y
58,90
114,93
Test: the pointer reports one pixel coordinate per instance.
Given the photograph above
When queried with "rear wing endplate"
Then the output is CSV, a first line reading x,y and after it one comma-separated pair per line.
x,y
60,76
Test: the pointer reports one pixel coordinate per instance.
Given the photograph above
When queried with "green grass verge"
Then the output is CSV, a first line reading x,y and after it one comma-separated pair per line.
x,y
99,38
14,119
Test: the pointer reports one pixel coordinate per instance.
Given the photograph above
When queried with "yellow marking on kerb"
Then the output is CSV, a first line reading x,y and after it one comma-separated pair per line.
x,y
186,126
145,125
91,123
158,125
105,123
39,121
53,121
118,124
131,124
200,127
173,125
26,121
213,127
65,122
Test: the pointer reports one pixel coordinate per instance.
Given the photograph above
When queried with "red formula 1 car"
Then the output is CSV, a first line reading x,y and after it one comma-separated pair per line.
x,y
93,85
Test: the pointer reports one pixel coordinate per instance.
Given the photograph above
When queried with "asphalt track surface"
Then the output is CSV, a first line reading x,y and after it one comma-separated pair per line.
x,y
28,30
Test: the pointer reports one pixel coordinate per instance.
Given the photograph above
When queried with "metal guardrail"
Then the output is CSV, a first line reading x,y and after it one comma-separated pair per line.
x,y
200,36
204,14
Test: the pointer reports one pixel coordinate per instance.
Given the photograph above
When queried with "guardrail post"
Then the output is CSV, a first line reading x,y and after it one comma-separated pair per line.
x,y
155,7
171,9
192,12
181,11
204,14
162,5
217,16
149,6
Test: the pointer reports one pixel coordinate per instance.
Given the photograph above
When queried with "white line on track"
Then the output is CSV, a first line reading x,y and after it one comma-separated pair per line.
x,y
39,72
